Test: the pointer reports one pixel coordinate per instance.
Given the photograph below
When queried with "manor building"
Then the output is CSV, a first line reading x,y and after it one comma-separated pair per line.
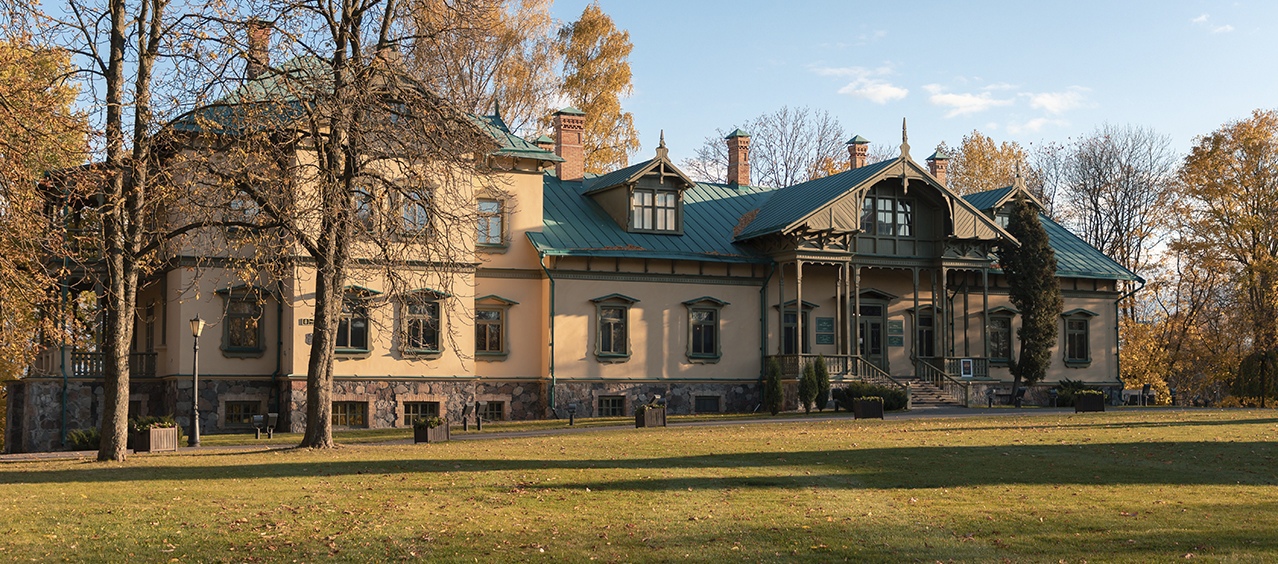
x,y
603,291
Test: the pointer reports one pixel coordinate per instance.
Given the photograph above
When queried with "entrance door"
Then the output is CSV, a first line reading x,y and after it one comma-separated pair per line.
x,y
872,345
791,330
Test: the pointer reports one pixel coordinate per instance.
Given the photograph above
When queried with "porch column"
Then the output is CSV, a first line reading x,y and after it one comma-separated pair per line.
x,y
947,345
838,312
967,315
985,310
856,311
798,308
914,339
781,310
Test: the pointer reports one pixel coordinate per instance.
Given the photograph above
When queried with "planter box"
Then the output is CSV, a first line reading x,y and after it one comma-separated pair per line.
x,y
155,440
867,409
651,417
436,435
1089,402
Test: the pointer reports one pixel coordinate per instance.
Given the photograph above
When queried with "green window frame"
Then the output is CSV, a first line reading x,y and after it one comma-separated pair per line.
x,y
707,404
493,411
350,414
243,322
241,412
925,333
887,216
612,327
414,213
1077,338
705,323
353,325
654,210
1000,334
492,320
611,406
414,410
491,223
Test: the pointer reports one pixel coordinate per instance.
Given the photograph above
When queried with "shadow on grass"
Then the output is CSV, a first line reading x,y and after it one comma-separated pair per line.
x,y
1104,425
1154,463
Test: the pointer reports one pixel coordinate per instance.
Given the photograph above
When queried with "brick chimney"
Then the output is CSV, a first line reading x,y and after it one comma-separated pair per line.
x,y
858,152
259,48
937,163
738,158
545,143
569,123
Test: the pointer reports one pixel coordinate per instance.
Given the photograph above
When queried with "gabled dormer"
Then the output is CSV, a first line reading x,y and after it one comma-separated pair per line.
x,y
995,203
646,197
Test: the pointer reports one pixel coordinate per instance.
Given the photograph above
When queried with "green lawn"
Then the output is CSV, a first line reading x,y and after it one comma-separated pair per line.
x,y
1149,485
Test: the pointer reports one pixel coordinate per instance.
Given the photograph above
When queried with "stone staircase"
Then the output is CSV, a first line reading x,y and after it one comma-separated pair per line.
x,y
924,394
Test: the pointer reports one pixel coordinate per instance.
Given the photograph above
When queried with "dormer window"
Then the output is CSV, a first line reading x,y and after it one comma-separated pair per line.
x,y
654,210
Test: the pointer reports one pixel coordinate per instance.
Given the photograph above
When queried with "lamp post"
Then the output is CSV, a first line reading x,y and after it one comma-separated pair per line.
x,y
197,327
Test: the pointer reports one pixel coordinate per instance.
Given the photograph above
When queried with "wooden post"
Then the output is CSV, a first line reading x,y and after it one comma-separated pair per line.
x,y
781,310
967,315
838,312
914,339
946,344
798,310
985,311
856,310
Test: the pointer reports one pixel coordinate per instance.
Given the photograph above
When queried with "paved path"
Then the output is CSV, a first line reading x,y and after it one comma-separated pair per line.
x,y
917,413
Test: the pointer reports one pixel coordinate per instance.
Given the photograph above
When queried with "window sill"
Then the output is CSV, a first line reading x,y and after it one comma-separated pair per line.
x,y
704,359
491,248
352,354
612,358
1078,363
243,353
413,354
491,356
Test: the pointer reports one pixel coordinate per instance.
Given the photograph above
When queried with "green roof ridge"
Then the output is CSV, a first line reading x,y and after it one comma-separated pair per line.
x,y
571,111
737,133
857,140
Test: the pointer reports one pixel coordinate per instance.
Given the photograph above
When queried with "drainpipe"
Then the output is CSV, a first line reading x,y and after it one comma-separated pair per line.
x,y
62,350
541,261
1118,359
763,322
273,398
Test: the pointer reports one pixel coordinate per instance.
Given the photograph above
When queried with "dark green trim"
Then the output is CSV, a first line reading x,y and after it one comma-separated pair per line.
x,y
615,297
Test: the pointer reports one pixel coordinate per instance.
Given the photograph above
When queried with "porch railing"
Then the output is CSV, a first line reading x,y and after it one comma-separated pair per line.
x,y
934,375
980,367
792,364
90,364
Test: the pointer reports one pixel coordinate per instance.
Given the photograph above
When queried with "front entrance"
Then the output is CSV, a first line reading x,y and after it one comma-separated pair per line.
x,y
791,333
872,345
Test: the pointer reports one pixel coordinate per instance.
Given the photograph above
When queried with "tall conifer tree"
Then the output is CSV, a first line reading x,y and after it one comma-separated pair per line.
x,y
1034,290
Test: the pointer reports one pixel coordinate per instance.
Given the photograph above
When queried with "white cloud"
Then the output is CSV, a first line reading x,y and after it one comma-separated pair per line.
x,y
866,83
1000,86
963,104
1036,124
1202,21
1056,103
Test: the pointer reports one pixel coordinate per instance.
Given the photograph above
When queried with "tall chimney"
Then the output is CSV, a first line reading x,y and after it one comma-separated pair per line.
x,y
545,143
259,48
738,158
937,163
858,152
569,123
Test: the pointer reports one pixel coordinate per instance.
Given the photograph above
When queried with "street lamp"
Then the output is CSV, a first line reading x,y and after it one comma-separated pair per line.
x,y
197,327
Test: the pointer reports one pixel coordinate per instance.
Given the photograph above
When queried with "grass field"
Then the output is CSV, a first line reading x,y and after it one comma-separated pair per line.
x,y
1149,485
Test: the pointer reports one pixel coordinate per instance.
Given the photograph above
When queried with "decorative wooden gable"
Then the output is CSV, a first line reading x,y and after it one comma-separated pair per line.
x,y
646,197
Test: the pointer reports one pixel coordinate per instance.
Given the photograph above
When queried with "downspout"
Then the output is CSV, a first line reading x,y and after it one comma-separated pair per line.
x,y
273,398
62,352
1118,359
763,322
541,261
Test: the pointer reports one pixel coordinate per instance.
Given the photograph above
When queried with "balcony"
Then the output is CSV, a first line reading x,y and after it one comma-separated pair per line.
x,y
89,364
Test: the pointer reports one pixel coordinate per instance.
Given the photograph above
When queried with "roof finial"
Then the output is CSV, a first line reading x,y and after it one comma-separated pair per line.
x,y
661,146
497,108
905,140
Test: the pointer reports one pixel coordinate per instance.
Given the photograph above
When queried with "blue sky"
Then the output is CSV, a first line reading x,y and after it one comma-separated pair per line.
x,y
1025,71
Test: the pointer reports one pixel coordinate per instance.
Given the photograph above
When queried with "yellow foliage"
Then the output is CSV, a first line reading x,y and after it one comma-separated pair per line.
x,y
596,77
979,164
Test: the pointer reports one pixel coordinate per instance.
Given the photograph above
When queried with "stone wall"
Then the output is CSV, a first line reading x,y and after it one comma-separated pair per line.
x,y
524,400
680,398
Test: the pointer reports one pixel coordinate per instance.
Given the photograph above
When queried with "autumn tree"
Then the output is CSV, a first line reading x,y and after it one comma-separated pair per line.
x,y
1033,288
788,146
1118,192
39,131
489,54
367,174
979,164
1230,189
596,76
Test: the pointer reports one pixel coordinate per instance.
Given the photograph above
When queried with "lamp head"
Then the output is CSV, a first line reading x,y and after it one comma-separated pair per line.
x,y
197,326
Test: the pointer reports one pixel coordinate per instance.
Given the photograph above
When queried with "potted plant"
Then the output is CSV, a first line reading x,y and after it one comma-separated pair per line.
x,y
867,407
651,415
153,434
430,430
1089,400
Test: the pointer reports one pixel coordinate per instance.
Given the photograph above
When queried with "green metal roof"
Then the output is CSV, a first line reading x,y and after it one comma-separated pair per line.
x,y
571,111
615,177
939,155
1074,257
857,140
574,225
986,200
738,133
511,145
793,203
543,138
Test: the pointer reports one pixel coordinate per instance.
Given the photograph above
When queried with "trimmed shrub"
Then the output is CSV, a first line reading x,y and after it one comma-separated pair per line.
x,y
84,439
808,387
773,391
893,398
823,383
